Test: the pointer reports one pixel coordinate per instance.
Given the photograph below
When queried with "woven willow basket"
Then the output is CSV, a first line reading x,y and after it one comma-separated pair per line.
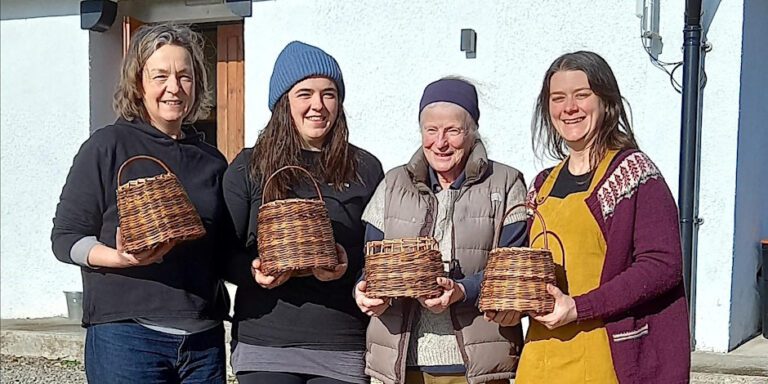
x,y
403,268
295,234
155,210
516,278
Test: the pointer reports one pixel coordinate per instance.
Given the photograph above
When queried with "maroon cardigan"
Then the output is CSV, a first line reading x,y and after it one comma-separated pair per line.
x,y
641,298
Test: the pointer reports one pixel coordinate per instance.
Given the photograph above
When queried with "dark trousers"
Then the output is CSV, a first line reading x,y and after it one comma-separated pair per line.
x,y
283,378
127,352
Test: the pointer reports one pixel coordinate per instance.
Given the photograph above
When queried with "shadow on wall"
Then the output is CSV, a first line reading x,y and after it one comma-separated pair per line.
x,y
751,209
26,9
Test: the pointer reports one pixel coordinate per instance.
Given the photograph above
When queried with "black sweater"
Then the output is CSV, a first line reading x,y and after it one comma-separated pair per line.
x,y
187,283
303,312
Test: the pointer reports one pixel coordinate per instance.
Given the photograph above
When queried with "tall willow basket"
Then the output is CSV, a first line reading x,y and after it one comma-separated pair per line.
x,y
295,234
155,210
516,278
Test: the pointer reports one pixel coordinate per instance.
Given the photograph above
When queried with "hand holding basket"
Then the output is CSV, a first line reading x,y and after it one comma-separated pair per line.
x,y
406,267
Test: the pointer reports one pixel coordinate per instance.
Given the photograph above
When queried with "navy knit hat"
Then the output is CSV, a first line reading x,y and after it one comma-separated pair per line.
x,y
297,62
454,91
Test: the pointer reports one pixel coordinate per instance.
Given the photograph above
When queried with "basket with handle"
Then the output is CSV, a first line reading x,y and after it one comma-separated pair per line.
x,y
516,278
407,267
155,210
295,234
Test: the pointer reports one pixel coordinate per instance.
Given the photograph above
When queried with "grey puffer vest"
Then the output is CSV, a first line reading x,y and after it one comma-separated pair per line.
x,y
490,352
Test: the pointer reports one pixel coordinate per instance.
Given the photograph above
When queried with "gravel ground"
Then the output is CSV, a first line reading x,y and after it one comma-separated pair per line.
x,y
37,370
28,370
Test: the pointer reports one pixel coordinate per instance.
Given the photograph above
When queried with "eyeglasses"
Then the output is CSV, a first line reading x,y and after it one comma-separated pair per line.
x,y
448,132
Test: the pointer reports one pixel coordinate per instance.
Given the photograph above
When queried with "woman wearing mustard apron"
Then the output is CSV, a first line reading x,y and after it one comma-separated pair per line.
x,y
620,313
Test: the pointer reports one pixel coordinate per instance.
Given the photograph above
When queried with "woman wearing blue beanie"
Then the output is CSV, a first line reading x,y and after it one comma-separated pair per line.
x,y
293,328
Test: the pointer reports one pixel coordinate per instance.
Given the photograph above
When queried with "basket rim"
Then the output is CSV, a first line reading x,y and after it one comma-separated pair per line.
x,y
136,182
292,200
499,249
393,241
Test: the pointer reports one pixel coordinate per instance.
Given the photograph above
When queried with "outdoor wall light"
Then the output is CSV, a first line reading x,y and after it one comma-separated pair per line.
x,y
240,8
468,42
202,2
97,15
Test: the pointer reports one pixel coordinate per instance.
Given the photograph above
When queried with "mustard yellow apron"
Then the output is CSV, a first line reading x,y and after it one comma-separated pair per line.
x,y
574,353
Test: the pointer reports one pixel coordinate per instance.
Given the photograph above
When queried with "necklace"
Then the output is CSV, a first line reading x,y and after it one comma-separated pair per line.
x,y
583,179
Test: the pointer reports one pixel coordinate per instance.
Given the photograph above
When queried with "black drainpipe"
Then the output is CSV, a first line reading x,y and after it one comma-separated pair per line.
x,y
692,51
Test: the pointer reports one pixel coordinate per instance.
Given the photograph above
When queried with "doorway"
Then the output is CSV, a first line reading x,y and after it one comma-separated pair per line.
x,y
224,127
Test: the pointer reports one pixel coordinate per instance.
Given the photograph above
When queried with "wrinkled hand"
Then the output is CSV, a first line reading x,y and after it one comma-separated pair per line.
x,y
326,274
452,292
150,256
367,305
503,318
267,281
564,312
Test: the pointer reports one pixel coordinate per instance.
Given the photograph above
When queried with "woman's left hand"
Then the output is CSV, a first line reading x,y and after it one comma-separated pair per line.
x,y
329,274
564,312
452,292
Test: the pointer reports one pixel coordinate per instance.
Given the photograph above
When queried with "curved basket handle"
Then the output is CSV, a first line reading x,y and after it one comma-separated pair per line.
x,y
535,212
317,187
138,157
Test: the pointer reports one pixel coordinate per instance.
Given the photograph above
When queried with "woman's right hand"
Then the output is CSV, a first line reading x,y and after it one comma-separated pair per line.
x,y
104,256
267,281
503,318
369,306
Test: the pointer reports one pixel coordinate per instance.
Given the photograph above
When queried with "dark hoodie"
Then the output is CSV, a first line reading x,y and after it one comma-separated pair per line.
x,y
186,285
303,312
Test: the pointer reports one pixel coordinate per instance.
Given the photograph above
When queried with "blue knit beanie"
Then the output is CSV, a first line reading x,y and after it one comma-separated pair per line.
x,y
297,62
454,91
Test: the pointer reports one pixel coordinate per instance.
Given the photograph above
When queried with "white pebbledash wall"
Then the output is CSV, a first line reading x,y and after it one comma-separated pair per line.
x,y
44,99
389,51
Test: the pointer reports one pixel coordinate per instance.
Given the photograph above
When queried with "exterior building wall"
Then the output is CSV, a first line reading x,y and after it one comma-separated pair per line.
x,y
389,51
751,214
718,179
44,100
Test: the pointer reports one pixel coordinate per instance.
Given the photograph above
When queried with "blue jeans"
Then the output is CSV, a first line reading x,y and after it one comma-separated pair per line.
x,y
127,352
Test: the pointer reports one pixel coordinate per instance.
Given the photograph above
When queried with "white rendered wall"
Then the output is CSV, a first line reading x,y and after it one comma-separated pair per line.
x,y
45,118
390,50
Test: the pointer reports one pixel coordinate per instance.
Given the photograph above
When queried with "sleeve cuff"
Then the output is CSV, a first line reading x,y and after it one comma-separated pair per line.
x,y
584,309
81,249
471,287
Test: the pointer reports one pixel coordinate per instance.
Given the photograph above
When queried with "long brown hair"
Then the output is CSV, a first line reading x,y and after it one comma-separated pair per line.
x,y
616,130
279,144
149,38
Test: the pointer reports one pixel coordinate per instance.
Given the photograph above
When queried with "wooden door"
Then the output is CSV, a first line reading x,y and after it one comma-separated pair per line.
x,y
130,25
230,93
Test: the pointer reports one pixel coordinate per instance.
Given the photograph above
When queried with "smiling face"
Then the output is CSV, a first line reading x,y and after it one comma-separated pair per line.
x,y
445,138
314,107
575,110
168,86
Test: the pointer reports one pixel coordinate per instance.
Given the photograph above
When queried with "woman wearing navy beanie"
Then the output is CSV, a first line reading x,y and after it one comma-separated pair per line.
x,y
294,328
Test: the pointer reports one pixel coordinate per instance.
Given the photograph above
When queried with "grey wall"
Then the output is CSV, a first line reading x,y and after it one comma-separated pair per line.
x,y
751,213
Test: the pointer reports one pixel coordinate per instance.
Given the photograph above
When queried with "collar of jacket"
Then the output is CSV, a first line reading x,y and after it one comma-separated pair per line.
x,y
191,135
475,168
